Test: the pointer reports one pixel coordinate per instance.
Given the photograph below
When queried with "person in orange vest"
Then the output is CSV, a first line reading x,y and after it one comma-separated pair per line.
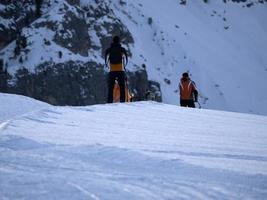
x,y
188,91
117,58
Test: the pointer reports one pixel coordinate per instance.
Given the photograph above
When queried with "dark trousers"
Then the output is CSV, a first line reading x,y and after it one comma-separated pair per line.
x,y
120,77
187,103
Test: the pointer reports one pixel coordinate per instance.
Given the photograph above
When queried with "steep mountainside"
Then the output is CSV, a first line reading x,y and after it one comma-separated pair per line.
x,y
57,55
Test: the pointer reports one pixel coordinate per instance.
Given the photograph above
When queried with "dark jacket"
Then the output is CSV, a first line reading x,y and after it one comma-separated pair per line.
x,y
114,54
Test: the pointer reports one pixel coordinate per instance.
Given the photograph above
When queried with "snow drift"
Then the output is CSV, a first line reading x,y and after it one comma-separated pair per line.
x,y
143,150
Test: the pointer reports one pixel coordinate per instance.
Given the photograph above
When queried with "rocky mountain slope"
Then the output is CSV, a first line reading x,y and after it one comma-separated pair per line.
x,y
57,57
54,51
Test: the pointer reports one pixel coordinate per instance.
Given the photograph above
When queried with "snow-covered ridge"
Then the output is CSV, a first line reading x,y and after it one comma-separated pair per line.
x,y
143,150
13,106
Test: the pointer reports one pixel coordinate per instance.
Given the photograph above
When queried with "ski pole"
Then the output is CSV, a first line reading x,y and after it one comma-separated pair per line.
x,y
199,106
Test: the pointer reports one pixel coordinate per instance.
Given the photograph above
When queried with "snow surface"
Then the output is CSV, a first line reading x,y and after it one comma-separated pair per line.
x,y
142,150
13,106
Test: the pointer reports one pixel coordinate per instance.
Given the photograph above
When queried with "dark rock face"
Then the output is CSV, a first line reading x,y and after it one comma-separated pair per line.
x,y
3,77
69,83
154,88
248,3
106,29
74,2
140,85
74,34
75,84
17,15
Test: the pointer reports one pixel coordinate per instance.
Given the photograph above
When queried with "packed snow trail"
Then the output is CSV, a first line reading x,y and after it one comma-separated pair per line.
x,y
141,150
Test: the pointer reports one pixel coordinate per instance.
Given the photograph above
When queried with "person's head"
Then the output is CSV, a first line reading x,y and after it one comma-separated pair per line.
x,y
116,39
185,75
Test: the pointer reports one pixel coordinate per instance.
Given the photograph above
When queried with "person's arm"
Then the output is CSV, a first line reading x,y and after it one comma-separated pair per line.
x,y
126,56
106,56
195,92
195,95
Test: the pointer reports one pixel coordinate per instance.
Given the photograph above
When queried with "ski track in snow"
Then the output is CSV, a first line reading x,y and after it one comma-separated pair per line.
x,y
84,191
141,150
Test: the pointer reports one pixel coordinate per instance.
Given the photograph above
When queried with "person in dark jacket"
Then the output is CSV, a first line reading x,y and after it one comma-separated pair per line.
x,y
188,91
116,57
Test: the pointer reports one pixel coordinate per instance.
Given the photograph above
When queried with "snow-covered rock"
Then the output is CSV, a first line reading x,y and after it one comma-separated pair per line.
x,y
58,58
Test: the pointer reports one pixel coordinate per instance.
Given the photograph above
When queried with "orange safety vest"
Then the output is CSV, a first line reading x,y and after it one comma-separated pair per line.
x,y
186,89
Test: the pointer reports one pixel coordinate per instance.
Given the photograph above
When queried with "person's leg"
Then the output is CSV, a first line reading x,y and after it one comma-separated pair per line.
x,y
121,81
191,103
183,103
111,82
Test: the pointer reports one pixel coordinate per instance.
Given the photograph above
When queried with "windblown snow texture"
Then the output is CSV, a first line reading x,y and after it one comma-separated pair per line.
x,y
141,150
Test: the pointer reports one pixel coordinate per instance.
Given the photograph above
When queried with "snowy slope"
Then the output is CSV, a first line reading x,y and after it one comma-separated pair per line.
x,y
222,45
141,150
13,106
